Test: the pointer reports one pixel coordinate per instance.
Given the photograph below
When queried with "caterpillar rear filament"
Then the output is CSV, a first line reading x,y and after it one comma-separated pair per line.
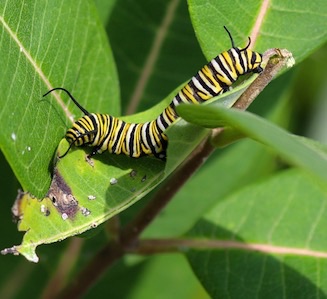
x,y
105,132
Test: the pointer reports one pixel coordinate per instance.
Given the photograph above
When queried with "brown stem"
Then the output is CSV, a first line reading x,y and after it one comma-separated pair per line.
x,y
133,229
93,271
129,235
68,261
153,246
272,68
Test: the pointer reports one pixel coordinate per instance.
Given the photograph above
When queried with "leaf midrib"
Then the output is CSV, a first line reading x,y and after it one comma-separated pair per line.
x,y
35,66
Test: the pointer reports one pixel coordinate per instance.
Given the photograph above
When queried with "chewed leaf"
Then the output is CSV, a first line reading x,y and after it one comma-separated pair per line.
x,y
82,196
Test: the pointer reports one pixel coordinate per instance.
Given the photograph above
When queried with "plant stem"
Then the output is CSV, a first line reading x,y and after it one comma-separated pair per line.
x,y
131,232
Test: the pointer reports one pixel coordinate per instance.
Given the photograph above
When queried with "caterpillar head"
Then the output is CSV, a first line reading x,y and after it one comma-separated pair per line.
x,y
82,132
249,61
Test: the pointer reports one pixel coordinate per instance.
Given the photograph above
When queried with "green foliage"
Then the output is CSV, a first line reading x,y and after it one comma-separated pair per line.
x,y
300,152
275,213
241,194
81,61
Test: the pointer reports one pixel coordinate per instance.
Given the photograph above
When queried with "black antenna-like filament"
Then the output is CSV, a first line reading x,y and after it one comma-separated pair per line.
x,y
66,152
71,97
233,45
247,46
230,37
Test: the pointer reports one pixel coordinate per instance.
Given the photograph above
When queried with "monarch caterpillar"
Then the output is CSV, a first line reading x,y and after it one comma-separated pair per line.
x,y
105,132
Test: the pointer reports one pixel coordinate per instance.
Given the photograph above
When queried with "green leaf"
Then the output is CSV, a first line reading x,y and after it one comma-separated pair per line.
x,y
38,53
298,26
267,239
293,149
104,8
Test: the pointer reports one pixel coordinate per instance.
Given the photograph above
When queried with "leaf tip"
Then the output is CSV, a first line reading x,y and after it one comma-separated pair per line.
x,y
29,254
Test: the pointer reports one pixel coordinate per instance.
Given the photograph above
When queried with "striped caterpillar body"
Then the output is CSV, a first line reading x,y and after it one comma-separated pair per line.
x,y
105,132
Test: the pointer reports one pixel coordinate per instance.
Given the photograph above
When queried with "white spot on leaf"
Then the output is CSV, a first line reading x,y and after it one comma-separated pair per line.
x,y
85,211
43,209
13,136
113,181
